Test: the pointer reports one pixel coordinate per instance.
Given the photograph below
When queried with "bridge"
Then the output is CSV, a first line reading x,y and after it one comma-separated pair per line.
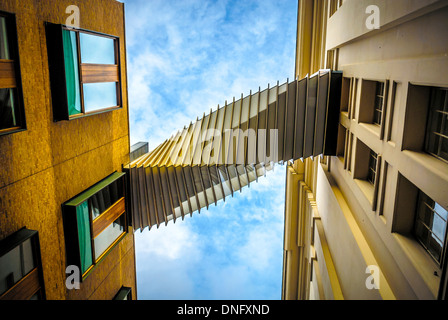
x,y
227,149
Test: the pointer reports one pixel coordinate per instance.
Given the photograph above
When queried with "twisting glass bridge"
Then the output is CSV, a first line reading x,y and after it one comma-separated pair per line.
x,y
230,147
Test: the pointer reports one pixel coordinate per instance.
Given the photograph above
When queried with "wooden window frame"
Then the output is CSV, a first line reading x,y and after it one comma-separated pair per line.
x,y
32,283
98,224
10,76
87,72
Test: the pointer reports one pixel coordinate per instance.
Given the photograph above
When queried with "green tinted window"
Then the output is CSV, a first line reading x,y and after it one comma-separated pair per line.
x,y
84,236
71,72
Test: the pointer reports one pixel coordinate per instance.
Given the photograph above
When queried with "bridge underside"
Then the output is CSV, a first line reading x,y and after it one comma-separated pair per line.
x,y
232,146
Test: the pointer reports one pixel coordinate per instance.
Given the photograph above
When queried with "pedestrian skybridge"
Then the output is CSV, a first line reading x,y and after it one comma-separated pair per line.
x,y
228,148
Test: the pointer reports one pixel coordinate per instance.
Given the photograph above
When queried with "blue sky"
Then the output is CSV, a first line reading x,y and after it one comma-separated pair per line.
x,y
185,57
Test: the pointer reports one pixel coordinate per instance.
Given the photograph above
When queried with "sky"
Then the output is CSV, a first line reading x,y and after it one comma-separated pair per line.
x,y
184,58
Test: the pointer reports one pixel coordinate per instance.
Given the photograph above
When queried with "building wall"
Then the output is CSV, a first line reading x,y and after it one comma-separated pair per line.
x,y
365,225
51,162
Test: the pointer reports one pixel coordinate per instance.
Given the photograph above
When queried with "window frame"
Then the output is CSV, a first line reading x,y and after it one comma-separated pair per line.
x,y
373,167
429,124
378,108
362,169
97,225
368,106
13,64
88,73
420,202
32,283
125,293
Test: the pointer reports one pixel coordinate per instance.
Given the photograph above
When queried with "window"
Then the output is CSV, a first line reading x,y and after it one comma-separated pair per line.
x,y
125,293
437,127
84,72
11,101
94,222
430,225
373,160
20,267
349,155
379,101
425,126
342,145
347,85
372,104
366,171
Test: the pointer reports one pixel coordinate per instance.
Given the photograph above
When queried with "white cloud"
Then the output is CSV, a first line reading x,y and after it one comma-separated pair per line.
x,y
169,242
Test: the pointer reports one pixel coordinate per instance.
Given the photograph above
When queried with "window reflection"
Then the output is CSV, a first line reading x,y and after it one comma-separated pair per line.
x,y
106,238
16,264
98,50
99,96
105,198
430,225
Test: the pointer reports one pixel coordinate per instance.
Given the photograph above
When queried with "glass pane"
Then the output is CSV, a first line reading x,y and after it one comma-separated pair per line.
x,y
71,72
372,161
4,47
106,238
421,232
105,198
95,208
425,214
10,269
435,247
379,103
377,116
96,49
441,211
379,88
28,257
437,99
84,236
434,217
444,125
438,227
7,113
99,96
439,223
